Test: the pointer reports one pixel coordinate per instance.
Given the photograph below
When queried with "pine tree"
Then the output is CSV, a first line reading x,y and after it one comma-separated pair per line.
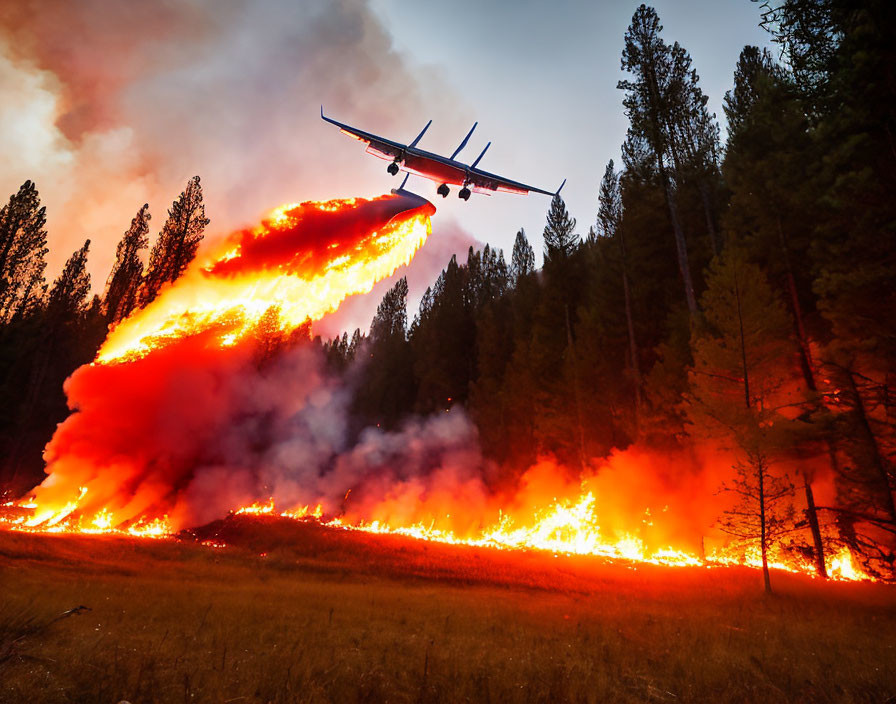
x,y
767,148
391,319
60,347
444,338
609,219
741,363
669,120
522,261
68,296
355,344
178,241
386,391
123,284
23,249
763,511
560,240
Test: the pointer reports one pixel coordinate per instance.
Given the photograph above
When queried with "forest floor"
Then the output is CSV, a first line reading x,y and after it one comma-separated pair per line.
x,y
292,612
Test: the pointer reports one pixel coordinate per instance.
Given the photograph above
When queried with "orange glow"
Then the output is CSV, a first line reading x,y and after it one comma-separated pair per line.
x,y
283,265
300,263
565,527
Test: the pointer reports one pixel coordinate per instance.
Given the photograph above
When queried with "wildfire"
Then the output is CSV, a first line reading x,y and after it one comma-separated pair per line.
x,y
568,527
287,264
301,262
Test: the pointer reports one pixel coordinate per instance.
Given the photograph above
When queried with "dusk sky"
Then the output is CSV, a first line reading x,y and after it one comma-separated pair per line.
x,y
541,79
110,105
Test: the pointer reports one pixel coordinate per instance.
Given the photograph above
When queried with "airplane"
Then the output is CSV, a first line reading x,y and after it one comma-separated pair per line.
x,y
443,170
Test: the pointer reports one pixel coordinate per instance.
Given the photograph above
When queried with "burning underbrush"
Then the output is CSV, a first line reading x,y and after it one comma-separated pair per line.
x,y
212,401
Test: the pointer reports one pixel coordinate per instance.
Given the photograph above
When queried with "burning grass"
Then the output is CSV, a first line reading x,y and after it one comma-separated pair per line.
x,y
292,611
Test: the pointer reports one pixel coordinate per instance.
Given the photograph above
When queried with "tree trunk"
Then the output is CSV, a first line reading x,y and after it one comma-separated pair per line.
x,y
806,363
812,515
632,343
714,237
681,246
743,343
577,390
807,367
660,147
871,441
762,527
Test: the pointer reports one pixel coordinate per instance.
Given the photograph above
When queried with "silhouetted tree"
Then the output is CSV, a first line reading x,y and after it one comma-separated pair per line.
x,y
385,393
68,295
23,248
522,262
609,218
444,339
668,118
123,284
178,241
741,362
560,240
66,334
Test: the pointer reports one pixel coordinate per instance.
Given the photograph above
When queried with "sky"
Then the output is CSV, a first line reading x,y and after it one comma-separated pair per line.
x,y
541,79
110,104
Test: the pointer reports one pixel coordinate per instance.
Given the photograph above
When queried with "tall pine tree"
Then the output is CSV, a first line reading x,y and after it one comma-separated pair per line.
x,y
68,296
609,219
123,284
178,241
522,261
23,249
741,366
669,121
560,240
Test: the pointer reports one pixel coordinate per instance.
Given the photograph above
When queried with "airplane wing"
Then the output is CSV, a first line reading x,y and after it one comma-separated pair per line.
x,y
376,145
484,182
438,168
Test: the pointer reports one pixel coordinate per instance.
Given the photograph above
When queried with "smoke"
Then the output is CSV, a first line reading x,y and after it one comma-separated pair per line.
x,y
110,105
195,431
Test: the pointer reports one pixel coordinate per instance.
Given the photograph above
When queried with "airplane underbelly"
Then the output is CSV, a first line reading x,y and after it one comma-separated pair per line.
x,y
437,171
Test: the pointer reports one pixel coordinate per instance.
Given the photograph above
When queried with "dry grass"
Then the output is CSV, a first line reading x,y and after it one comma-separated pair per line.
x,y
332,616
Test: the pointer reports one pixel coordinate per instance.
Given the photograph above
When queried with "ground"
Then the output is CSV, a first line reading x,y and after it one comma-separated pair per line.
x,y
292,612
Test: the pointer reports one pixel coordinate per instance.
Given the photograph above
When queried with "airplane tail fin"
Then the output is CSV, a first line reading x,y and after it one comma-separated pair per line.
x,y
466,139
420,136
479,158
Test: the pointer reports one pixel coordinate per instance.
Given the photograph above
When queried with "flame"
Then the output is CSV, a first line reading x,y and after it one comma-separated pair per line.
x,y
276,267
567,527
291,264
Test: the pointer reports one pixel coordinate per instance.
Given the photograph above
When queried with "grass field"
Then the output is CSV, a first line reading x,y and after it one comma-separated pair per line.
x,y
292,612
